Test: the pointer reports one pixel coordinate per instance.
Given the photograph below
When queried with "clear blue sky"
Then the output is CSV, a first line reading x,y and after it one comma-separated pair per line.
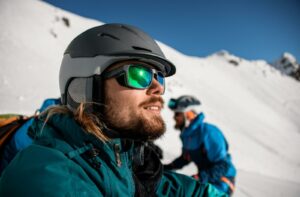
x,y
250,29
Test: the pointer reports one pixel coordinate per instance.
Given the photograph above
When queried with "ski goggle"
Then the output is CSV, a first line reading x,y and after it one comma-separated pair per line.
x,y
172,104
137,76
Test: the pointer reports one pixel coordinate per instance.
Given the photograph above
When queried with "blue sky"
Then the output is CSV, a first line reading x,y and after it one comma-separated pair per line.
x,y
250,29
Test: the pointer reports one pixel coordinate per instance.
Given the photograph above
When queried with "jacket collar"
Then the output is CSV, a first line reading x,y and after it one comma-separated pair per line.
x,y
64,127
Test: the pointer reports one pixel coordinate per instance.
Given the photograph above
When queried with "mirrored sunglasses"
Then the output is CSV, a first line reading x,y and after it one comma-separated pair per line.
x,y
137,76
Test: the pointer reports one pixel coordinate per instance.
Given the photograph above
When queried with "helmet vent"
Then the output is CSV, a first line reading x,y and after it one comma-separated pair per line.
x,y
108,35
140,48
129,29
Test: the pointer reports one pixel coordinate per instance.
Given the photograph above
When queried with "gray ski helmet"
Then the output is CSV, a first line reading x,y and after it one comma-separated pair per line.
x,y
91,52
183,103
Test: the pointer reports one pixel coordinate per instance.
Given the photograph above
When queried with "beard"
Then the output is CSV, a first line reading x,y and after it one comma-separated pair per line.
x,y
180,126
131,124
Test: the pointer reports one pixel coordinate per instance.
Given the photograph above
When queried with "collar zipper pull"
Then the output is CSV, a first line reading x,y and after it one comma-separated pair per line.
x,y
117,154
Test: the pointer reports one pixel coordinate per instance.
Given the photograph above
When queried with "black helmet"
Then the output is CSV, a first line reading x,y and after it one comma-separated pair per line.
x,y
183,103
91,52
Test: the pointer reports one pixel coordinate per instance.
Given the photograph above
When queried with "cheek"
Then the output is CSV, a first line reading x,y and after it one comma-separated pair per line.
x,y
124,99
114,92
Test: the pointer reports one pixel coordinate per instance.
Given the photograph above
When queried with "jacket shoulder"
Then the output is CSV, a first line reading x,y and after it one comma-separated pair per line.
x,y
215,143
43,171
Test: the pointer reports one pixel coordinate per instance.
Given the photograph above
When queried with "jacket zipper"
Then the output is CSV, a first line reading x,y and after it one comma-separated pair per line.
x,y
117,154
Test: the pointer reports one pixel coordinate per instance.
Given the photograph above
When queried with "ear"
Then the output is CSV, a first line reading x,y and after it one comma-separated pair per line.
x,y
79,90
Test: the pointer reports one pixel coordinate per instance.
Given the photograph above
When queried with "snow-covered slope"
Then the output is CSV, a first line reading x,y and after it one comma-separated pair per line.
x,y
258,110
256,107
33,38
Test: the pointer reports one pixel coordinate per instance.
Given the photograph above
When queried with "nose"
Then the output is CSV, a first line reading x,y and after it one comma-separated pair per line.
x,y
155,88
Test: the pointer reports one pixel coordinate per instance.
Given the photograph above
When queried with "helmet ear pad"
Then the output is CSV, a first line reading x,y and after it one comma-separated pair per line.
x,y
98,97
88,90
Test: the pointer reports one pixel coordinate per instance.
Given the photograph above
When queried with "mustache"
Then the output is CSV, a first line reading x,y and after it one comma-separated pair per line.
x,y
152,100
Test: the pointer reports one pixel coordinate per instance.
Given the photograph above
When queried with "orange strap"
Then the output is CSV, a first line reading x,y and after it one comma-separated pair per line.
x,y
228,182
7,134
6,121
13,124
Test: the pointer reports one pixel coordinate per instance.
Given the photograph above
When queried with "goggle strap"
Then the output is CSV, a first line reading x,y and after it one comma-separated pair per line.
x,y
113,73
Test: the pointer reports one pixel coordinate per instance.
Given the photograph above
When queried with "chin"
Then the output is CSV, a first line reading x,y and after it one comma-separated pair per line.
x,y
155,128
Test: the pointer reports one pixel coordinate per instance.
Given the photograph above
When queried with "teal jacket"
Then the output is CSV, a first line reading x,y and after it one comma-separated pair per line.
x,y
64,160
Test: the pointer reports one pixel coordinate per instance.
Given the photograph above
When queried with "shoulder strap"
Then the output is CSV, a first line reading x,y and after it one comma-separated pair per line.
x,y
8,126
7,119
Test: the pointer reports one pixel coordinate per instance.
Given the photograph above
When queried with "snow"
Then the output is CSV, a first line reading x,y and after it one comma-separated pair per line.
x,y
255,106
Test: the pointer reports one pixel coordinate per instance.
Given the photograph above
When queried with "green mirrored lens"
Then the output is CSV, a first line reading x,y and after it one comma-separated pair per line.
x,y
139,76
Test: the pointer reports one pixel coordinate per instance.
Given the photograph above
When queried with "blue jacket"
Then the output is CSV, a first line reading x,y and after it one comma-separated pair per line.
x,y
65,160
205,145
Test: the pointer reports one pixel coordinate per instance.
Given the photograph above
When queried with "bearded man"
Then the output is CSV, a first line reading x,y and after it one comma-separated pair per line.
x,y
111,81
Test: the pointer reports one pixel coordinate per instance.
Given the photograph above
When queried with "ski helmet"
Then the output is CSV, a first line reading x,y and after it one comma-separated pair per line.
x,y
91,52
183,103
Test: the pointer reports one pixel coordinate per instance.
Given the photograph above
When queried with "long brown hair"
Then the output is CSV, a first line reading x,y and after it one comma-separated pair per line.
x,y
87,120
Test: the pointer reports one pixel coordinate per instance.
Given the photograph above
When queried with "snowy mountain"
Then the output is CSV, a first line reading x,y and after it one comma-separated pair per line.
x,y
255,106
288,65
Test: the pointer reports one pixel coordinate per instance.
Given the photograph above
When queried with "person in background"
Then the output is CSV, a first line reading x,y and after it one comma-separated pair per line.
x,y
96,143
203,143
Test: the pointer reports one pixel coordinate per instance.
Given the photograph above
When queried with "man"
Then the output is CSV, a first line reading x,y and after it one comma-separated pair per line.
x,y
96,143
204,144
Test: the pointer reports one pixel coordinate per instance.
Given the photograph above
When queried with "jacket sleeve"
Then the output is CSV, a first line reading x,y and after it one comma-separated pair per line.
x,y
174,184
178,163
